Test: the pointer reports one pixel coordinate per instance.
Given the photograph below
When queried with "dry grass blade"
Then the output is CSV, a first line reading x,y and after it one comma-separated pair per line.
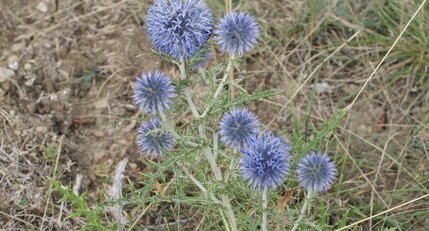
x,y
389,156
376,177
384,212
311,75
360,170
348,107
56,25
50,186
18,219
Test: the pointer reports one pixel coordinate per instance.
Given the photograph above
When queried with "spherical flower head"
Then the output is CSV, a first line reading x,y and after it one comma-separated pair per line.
x,y
237,127
153,92
316,172
237,33
265,161
179,27
152,140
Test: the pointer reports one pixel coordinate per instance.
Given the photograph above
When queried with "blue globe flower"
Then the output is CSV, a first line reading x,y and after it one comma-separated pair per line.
x,y
237,127
265,161
237,33
152,139
179,27
316,172
153,92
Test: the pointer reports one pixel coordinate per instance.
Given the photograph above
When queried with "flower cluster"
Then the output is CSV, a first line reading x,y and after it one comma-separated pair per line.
x,y
264,163
181,29
154,93
265,158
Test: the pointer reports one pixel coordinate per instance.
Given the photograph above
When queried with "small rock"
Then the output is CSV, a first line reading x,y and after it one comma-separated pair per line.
x,y
101,104
65,94
133,165
41,129
42,7
27,66
98,156
129,108
98,133
63,73
18,47
13,62
53,97
322,88
6,74
30,81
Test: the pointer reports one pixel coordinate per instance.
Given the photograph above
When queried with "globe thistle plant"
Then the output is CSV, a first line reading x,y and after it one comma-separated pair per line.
x,y
316,172
237,127
152,140
153,92
265,161
179,28
237,33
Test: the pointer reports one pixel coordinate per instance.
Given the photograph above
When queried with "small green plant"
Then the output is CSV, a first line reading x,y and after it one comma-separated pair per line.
x,y
92,216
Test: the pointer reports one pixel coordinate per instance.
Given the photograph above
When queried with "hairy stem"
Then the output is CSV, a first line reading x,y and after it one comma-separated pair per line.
x,y
220,87
207,152
187,91
182,166
303,210
197,183
218,176
264,208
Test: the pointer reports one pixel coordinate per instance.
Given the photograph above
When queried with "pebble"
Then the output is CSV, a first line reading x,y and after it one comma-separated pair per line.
x,y
42,7
6,74
18,47
322,88
41,129
27,66
100,104
13,62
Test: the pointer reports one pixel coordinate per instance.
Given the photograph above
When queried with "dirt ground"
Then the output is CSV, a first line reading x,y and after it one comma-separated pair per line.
x,y
66,72
70,66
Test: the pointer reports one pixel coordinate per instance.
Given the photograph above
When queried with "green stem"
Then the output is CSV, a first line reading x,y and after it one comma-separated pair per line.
x,y
197,183
307,201
207,152
220,87
264,208
187,91
188,174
